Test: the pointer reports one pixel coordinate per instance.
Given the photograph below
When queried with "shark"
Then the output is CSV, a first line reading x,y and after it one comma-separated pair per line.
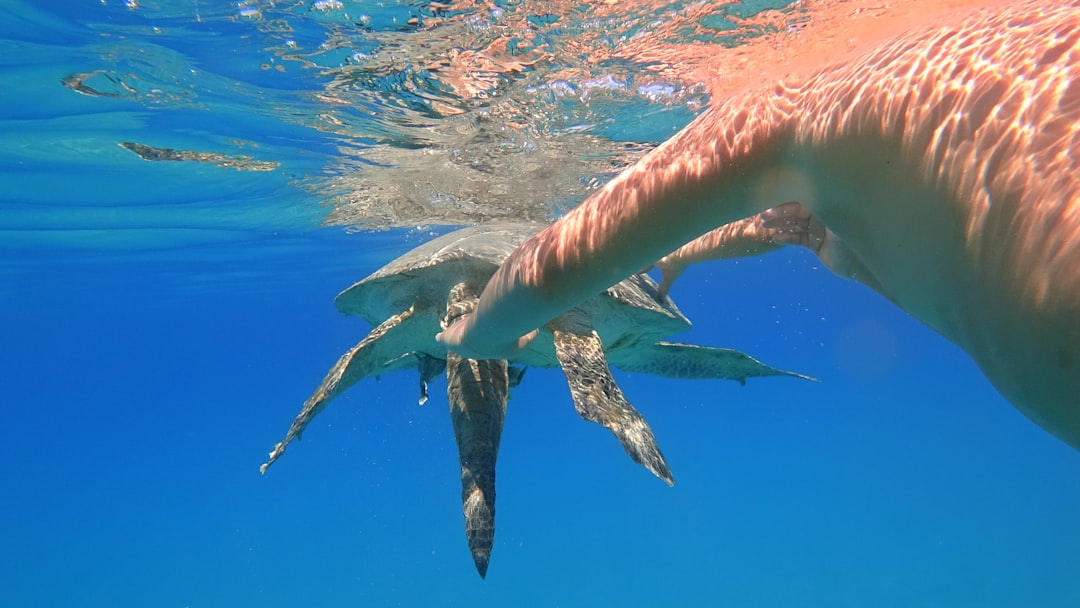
x,y
941,168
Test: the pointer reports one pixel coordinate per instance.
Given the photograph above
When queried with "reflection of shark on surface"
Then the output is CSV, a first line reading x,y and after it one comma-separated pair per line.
x,y
942,167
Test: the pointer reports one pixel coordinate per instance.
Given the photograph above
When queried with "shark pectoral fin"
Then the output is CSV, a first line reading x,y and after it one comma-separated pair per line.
x,y
477,391
690,361
357,363
597,398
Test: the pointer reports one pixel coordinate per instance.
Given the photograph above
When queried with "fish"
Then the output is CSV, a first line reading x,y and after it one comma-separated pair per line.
x,y
943,166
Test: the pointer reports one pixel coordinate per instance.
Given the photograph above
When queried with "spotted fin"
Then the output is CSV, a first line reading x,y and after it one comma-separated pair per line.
x,y
360,361
597,398
477,392
690,361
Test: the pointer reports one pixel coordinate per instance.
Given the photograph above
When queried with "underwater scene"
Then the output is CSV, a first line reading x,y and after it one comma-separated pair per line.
x,y
186,187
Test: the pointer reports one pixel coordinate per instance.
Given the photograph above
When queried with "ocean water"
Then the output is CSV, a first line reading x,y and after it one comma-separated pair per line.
x,y
162,321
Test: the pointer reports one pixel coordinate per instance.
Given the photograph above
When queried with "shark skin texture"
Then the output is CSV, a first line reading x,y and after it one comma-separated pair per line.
x,y
944,165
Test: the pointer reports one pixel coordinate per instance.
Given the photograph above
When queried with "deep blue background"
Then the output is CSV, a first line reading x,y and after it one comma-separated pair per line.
x,y
161,324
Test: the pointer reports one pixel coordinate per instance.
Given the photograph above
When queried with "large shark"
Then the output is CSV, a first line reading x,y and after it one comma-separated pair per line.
x,y
944,167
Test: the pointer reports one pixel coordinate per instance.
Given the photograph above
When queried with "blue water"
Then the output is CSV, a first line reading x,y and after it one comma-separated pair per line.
x,y
162,322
